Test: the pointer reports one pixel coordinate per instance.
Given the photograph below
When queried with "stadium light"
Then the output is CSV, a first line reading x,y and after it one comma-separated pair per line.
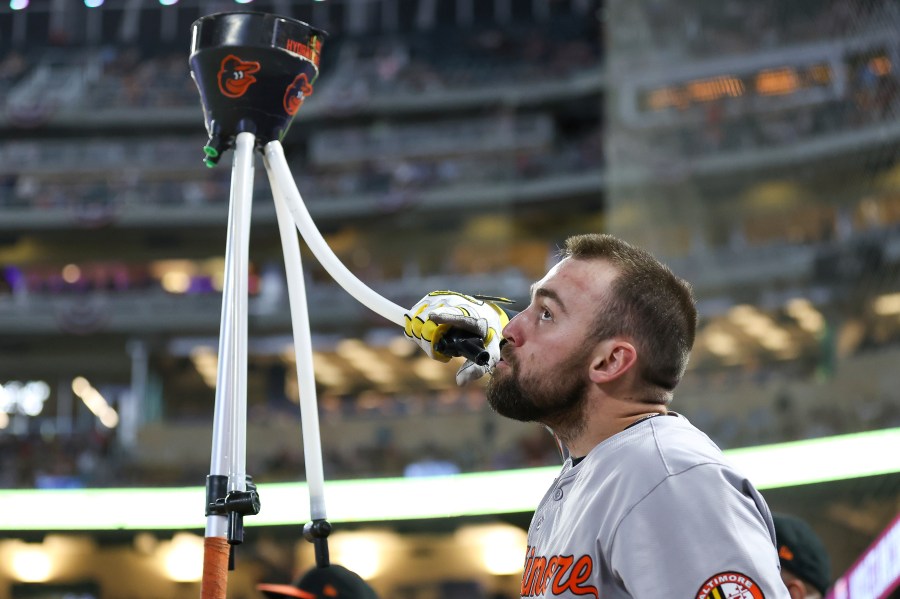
x,y
18,4
31,564
168,2
93,3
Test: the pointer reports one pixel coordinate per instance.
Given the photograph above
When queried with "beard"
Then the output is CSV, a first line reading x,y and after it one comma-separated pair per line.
x,y
557,402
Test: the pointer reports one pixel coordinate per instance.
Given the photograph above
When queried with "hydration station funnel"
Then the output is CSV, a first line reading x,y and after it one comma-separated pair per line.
x,y
253,71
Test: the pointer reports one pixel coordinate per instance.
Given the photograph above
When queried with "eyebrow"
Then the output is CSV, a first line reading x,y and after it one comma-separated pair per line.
x,y
549,294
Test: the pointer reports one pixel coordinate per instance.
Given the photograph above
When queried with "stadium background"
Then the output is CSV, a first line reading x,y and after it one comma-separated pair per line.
x,y
448,144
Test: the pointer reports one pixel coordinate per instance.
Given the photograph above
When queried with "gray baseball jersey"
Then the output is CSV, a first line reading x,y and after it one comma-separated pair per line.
x,y
654,511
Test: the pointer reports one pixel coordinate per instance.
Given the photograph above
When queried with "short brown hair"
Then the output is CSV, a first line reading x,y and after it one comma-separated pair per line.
x,y
647,303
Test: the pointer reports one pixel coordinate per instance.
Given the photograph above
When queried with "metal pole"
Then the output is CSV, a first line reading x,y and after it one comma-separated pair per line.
x,y
227,471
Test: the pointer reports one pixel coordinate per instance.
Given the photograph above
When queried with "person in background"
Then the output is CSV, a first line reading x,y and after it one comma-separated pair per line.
x,y
805,565
330,582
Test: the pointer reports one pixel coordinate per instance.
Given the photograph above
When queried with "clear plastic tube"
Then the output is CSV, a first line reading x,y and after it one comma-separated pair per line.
x,y
277,165
309,414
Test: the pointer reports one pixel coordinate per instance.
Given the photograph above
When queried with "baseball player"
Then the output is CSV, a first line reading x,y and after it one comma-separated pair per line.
x,y
646,505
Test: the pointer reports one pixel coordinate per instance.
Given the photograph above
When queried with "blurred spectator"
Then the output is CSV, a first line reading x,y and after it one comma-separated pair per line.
x,y
12,67
805,564
329,582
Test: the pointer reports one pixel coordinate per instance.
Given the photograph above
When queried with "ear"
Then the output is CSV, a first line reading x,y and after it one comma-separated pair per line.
x,y
796,588
611,360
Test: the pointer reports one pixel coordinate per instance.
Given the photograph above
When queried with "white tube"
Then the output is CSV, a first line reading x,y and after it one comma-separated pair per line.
x,y
309,412
242,185
230,412
277,165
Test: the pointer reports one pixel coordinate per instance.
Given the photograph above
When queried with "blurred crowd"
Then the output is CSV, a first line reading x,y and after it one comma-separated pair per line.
x,y
870,99
104,179
354,70
865,224
106,176
384,181
94,458
739,407
646,31
770,404
443,62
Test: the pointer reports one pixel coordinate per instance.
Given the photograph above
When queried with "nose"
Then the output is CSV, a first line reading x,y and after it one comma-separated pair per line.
x,y
511,332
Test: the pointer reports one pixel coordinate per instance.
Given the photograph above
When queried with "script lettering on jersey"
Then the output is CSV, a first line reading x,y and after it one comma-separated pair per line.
x,y
559,573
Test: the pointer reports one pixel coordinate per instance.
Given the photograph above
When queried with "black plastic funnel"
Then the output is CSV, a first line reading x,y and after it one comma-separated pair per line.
x,y
253,71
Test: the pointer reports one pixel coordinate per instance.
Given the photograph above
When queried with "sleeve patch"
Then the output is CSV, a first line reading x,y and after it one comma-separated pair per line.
x,y
730,585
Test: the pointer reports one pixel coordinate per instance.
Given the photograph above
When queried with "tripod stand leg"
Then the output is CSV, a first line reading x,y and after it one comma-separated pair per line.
x,y
312,446
228,460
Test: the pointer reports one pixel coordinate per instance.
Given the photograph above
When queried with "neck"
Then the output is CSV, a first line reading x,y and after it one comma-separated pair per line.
x,y
600,420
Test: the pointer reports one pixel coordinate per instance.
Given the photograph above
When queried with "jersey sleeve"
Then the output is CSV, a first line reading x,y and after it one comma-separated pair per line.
x,y
702,533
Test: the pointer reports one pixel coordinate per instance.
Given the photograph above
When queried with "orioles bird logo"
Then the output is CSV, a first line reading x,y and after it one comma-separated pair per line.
x,y
235,76
296,92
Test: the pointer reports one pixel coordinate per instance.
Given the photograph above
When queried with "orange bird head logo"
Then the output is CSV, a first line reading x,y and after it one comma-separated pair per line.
x,y
236,76
296,92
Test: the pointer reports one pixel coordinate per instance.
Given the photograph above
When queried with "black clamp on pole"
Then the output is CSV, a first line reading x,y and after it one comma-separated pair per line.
x,y
316,532
234,504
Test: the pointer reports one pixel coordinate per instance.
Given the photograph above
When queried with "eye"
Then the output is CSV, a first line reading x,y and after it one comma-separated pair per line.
x,y
546,314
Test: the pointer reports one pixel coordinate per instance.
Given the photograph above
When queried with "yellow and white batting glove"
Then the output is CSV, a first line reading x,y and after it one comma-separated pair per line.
x,y
439,311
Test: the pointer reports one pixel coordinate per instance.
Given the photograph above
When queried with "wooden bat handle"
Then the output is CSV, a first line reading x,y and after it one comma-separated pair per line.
x,y
215,568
